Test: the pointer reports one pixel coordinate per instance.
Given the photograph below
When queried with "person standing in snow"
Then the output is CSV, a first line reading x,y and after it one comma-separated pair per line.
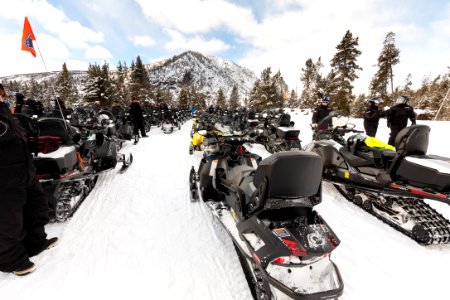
x,y
24,207
372,116
322,111
137,117
397,117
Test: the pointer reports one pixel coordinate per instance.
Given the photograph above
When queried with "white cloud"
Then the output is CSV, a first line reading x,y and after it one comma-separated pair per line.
x,y
197,16
57,36
180,42
142,40
53,20
286,40
98,52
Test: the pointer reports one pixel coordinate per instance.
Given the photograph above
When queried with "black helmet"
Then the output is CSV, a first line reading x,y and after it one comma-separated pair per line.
x,y
375,100
402,100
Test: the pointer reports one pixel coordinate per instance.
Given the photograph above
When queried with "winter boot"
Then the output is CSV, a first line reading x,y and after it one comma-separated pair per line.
x,y
25,269
47,244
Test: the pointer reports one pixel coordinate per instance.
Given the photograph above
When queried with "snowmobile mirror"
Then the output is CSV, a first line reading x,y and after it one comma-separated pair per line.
x,y
292,123
350,125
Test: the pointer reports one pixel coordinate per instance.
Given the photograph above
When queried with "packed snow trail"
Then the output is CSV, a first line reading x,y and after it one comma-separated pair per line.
x,y
137,235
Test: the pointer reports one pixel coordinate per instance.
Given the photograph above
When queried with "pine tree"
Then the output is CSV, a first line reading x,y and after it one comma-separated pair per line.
x,y
268,91
183,98
120,82
65,87
358,106
293,100
139,81
312,80
109,90
389,57
345,67
98,87
220,100
233,101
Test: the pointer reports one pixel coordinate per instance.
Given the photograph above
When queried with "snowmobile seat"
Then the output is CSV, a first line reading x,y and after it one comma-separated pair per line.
x,y
56,127
354,160
237,174
426,171
290,175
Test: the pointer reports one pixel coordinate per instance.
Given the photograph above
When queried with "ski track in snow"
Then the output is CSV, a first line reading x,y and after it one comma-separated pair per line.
x,y
138,235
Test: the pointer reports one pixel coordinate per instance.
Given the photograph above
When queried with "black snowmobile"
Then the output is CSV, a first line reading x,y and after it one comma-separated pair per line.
x,y
283,135
67,171
267,209
390,184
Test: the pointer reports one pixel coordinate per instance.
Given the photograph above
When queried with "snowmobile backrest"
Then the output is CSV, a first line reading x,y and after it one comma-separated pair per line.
x,y
56,127
290,174
285,120
413,140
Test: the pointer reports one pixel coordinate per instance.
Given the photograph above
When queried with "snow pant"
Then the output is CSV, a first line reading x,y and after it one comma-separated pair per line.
x,y
395,129
138,125
23,214
371,128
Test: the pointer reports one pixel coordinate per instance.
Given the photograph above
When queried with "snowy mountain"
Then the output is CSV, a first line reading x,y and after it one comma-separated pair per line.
x,y
206,73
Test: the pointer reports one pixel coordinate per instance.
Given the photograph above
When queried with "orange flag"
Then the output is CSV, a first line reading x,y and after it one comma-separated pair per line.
x,y
28,38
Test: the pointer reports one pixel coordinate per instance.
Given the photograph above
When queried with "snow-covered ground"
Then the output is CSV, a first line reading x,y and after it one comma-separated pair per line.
x,y
138,236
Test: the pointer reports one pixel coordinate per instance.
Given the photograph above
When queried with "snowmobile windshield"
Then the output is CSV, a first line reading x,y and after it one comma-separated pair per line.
x,y
339,121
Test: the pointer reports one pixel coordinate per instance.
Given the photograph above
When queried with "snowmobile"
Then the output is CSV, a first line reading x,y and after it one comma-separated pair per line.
x,y
267,209
67,172
167,126
389,183
283,135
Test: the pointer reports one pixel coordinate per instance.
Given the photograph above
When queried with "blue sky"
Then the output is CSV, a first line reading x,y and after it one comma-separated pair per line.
x,y
282,34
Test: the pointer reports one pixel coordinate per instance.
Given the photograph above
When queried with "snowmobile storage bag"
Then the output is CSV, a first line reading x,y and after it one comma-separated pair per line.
x,y
290,174
426,171
57,162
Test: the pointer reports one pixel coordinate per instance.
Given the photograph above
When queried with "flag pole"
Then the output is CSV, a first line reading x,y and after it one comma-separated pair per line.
x,y
52,85
42,57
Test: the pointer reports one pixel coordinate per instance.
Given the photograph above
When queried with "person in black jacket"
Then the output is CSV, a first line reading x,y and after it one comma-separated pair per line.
x,y
320,113
20,101
137,117
23,204
372,116
397,117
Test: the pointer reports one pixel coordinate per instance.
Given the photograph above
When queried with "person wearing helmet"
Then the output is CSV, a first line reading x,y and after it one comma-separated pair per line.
x,y
20,101
372,116
137,116
23,203
320,113
397,117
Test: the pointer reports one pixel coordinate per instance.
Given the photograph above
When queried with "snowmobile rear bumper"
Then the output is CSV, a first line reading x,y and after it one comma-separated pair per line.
x,y
331,294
